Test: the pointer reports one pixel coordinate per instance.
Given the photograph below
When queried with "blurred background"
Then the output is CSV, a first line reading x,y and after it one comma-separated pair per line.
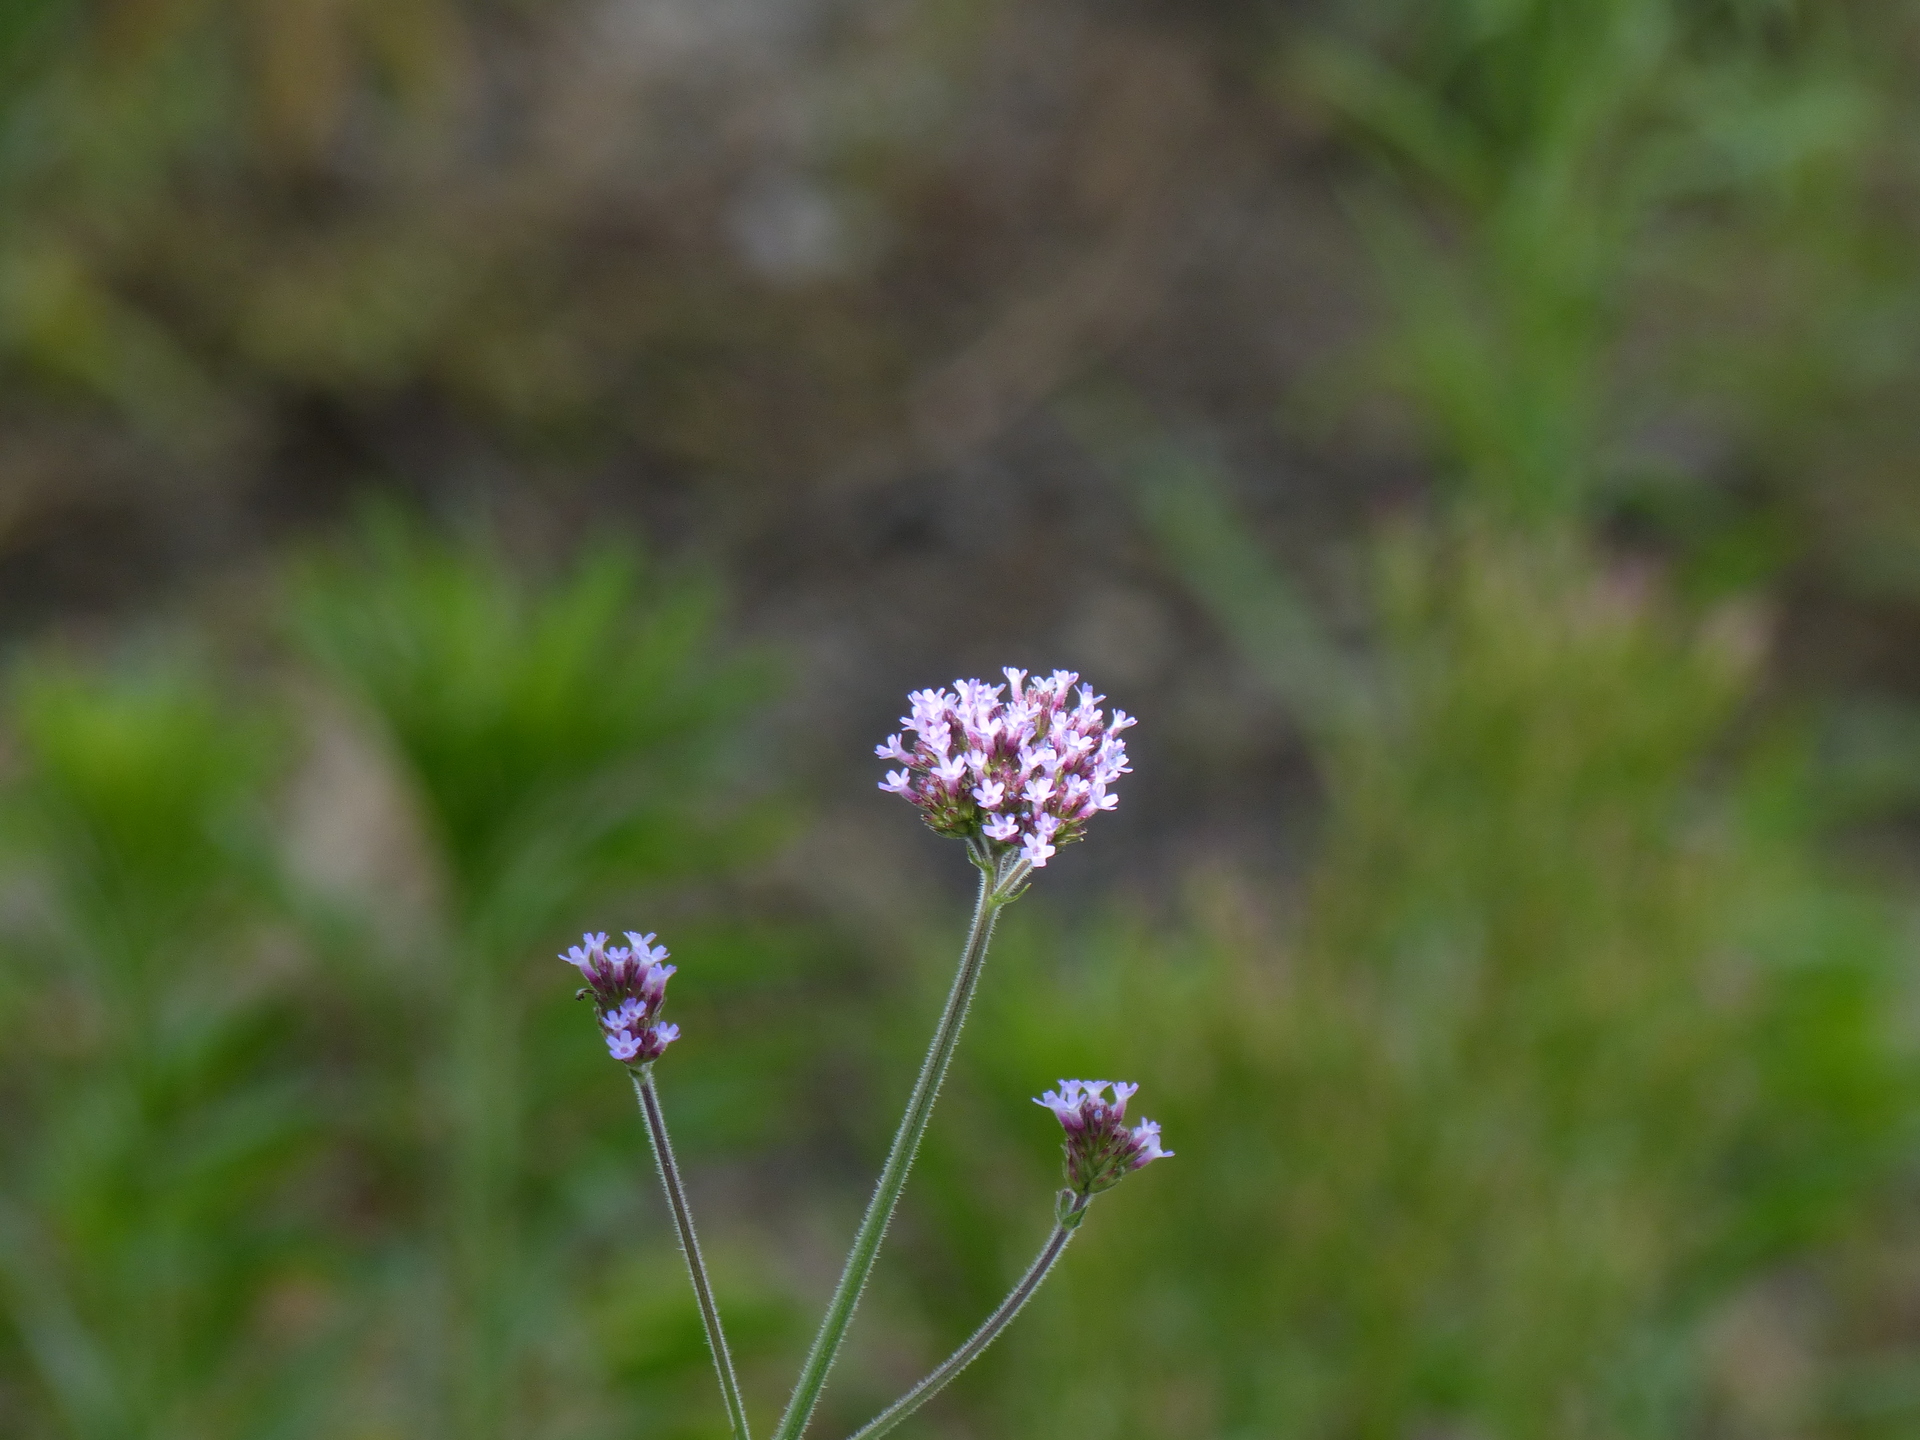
x,y
475,470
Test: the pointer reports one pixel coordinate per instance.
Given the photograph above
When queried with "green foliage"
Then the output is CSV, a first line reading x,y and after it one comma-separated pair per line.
x,y
565,744
1574,1045
558,739
290,1164
1543,169
151,1212
1570,1045
1579,1049
1568,1048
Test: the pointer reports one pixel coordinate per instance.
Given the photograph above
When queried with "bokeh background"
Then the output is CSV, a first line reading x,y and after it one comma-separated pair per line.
x,y
475,470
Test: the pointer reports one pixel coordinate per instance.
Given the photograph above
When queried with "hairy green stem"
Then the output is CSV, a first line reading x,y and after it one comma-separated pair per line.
x,y
690,1247
893,1176
1017,1298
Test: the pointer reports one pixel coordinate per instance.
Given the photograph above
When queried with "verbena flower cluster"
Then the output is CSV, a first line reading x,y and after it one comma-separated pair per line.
x,y
1016,771
627,985
1101,1150
1029,770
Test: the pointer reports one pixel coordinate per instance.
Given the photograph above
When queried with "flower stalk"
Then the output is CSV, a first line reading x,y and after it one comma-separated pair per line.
x,y
1099,1151
995,883
628,986
690,1248
1072,1210
1014,778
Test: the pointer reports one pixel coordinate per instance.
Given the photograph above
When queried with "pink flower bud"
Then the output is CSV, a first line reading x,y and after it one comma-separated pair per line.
x,y
627,987
1100,1150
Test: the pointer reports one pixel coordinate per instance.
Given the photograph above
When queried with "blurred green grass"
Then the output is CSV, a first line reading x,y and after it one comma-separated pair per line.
x,y
1571,1047
1575,1077
1572,1094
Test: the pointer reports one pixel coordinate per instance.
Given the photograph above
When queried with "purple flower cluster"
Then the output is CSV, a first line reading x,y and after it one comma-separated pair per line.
x,y
1101,1150
627,985
1029,770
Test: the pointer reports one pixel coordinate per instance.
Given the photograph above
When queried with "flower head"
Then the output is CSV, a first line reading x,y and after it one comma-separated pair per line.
x,y
1101,1150
628,985
1021,766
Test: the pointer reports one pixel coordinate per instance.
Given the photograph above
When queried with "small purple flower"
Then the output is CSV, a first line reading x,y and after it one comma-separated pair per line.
x,y
1101,1150
627,985
1021,773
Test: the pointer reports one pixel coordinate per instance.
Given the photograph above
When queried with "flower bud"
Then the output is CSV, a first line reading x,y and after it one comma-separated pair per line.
x,y
1100,1149
628,985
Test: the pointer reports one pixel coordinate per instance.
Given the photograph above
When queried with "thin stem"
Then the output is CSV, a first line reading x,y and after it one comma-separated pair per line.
x,y
893,1176
690,1247
985,1335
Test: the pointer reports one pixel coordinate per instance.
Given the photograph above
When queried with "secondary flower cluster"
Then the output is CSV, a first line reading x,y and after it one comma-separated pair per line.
x,y
1101,1150
627,985
1029,770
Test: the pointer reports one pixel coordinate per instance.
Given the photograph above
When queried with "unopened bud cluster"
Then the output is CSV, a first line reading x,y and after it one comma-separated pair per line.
x,y
627,985
1027,771
1101,1150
